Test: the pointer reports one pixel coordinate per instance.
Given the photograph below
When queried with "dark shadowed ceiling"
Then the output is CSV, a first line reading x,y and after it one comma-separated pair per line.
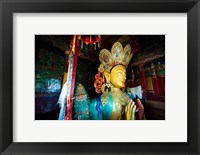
x,y
145,47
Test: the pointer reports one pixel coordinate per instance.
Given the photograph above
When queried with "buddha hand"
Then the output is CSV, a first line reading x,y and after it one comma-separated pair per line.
x,y
130,110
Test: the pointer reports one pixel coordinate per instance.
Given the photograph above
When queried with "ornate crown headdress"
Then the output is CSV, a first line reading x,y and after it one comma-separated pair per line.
x,y
117,56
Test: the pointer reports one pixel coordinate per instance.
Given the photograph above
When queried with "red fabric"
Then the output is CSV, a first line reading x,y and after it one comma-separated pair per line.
x,y
143,80
155,86
161,84
142,77
140,113
128,83
131,84
155,97
136,83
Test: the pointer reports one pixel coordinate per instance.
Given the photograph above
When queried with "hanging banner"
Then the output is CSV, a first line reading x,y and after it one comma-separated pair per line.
x,y
67,93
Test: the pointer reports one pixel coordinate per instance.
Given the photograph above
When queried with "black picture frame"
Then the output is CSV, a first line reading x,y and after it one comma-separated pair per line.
x,y
8,7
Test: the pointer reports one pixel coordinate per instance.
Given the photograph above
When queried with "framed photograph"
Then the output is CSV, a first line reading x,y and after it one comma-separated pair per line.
x,y
114,77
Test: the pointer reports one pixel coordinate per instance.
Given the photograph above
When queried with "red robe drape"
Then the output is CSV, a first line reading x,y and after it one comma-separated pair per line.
x,y
155,86
159,86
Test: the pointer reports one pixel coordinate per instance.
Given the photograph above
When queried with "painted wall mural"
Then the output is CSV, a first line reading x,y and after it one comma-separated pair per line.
x,y
49,70
155,68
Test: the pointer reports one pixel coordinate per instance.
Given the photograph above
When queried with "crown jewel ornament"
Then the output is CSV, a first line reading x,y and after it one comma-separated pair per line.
x,y
117,56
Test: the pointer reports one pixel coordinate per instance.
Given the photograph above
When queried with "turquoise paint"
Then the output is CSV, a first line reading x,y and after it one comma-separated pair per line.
x,y
98,111
94,110
108,108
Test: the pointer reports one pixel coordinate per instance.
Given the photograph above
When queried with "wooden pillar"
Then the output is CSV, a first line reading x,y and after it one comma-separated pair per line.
x,y
149,84
70,103
142,78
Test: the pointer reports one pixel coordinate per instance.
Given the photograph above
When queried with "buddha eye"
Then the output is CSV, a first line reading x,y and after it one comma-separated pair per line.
x,y
120,73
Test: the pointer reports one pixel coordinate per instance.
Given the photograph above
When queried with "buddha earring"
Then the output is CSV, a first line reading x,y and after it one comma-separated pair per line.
x,y
107,88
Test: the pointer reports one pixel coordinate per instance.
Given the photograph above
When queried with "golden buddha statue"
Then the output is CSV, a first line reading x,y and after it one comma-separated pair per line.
x,y
112,103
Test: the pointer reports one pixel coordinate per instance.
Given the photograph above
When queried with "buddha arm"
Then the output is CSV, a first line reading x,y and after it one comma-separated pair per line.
x,y
130,107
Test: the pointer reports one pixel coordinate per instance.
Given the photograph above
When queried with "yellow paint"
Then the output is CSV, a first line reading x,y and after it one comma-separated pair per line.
x,y
149,84
64,78
117,76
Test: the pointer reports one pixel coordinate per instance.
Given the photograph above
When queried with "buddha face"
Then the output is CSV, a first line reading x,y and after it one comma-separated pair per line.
x,y
118,76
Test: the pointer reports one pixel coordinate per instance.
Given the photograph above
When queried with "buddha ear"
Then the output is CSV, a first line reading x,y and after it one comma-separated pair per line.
x,y
107,76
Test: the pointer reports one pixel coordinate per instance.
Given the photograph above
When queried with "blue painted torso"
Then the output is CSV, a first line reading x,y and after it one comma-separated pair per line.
x,y
98,111
112,109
